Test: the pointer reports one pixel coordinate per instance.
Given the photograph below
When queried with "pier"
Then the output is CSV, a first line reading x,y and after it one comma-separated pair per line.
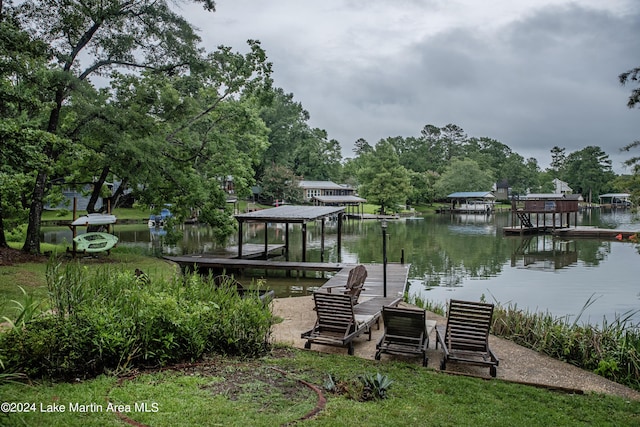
x,y
397,273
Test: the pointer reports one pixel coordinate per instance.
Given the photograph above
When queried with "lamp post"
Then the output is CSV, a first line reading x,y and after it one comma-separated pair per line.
x,y
383,225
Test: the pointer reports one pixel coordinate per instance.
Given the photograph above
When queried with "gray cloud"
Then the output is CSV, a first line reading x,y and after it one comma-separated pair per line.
x,y
532,79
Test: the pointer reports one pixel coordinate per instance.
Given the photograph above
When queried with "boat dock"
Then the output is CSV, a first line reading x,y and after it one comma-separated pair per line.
x,y
397,273
586,232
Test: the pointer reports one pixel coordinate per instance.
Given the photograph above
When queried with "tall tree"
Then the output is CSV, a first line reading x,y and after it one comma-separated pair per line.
x,y
24,78
383,180
142,34
588,172
463,175
287,123
558,157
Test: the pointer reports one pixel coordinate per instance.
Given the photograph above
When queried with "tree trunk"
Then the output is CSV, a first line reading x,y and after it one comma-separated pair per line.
x,y
115,198
3,240
97,189
32,242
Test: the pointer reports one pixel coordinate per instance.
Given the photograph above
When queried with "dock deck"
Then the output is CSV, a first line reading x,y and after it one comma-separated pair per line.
x,y
397,274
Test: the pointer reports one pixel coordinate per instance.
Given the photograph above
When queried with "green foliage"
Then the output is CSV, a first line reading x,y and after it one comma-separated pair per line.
x,y
383,180
365,388
612,350
280,183
463,175
375,386
24,311
110,321
588,172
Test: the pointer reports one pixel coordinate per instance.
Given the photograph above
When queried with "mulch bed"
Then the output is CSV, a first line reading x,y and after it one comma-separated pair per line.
x,y
9,256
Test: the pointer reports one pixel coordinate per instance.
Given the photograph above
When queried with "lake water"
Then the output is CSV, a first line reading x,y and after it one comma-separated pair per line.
x,y
459,256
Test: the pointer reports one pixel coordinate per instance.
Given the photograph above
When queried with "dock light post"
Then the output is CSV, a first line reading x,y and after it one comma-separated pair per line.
x,y
383,225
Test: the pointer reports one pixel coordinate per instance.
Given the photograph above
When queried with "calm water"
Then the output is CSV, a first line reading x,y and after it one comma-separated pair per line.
x,y
461,256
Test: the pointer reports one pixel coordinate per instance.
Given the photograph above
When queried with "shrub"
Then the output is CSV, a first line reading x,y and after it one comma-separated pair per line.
x,y
110,321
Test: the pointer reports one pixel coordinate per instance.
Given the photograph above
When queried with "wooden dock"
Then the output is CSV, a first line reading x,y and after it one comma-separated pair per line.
x,y
397,274
199,262
585,232
594,232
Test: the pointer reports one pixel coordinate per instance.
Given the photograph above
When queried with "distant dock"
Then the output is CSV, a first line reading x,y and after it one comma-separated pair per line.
x,y
585,232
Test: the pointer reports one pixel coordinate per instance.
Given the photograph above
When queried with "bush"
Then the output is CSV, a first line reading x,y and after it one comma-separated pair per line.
x,y
110,321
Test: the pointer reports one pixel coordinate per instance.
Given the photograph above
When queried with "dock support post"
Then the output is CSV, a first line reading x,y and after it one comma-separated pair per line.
x,y
322,241
239,239
340,218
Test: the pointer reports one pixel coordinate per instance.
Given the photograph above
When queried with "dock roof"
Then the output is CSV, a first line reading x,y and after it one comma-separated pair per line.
x,y
340,199
290,214
471,194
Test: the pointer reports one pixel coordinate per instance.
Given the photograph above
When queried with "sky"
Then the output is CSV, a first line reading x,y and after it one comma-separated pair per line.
x,y
532,74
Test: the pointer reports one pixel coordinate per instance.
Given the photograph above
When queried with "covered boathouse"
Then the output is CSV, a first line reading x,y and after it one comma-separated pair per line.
x,y
290,214
535,213
479,202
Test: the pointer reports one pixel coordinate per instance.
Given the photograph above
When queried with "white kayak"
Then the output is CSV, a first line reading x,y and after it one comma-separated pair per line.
x,y
95,219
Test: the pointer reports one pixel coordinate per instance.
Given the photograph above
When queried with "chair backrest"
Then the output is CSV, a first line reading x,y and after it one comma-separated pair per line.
x,y
355,282
468,325
404,322
335,312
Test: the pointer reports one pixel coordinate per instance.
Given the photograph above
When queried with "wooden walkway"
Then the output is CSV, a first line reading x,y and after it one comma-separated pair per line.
x,y
397,274
229,264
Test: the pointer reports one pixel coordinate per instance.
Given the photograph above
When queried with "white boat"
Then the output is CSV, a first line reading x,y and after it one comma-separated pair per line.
x,y
95,219
95,242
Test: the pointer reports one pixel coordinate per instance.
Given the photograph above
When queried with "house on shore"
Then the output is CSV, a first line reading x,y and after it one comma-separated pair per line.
x,y
313,189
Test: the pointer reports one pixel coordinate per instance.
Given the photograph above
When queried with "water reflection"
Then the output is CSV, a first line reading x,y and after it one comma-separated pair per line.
x,y
543,252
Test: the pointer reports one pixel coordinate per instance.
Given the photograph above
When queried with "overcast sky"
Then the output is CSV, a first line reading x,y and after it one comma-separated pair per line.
x,y
531,74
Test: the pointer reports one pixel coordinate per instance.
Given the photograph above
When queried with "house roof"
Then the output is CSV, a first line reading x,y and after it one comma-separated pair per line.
x,y
325,185
340,199
471,195
618,195
549,196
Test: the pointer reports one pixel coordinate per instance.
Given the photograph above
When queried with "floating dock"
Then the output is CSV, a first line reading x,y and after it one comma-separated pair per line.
x,y
586,232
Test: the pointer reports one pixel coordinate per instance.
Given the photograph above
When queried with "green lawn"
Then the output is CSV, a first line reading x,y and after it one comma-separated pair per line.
x,y
269,391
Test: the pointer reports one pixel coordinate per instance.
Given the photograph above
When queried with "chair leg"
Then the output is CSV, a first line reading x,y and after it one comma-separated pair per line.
x,y
350,349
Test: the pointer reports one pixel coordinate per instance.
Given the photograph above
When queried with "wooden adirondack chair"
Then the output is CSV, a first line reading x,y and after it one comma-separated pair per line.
x,y
337,324
465,339
355,283
406,331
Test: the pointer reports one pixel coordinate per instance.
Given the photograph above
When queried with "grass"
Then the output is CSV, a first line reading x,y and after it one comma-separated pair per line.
x,y
31,276
268,391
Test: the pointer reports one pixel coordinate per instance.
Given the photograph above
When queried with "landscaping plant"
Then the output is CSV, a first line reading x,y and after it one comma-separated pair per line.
x,y
110,321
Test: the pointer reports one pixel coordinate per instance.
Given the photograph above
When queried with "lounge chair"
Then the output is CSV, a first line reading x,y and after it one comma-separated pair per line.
x,y
355,283
465,339
406,331
337,324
